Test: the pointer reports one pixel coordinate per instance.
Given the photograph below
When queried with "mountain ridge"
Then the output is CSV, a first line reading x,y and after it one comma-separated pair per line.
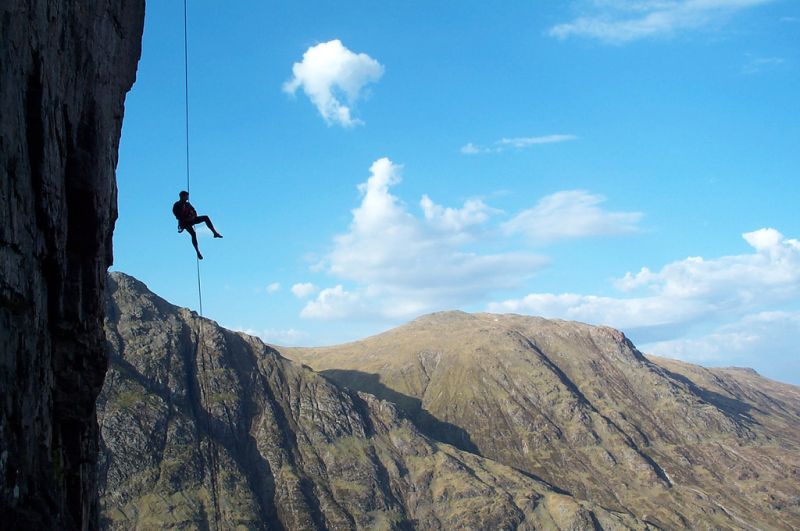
x,y
631,430
205,427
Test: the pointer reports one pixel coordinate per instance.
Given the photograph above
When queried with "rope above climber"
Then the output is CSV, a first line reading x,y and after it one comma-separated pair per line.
x,y
187,218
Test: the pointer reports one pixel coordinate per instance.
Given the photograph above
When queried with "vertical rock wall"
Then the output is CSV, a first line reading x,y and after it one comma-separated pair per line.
x,y
65,67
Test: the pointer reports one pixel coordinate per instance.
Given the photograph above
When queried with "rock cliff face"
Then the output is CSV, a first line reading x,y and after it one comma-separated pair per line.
x,y
204,428
65,67
578,406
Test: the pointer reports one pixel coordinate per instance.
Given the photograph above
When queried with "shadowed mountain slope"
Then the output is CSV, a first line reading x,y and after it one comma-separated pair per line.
x,y
232,435
580,407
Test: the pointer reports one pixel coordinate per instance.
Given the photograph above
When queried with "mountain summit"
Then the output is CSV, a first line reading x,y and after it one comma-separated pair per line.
x,y
580,407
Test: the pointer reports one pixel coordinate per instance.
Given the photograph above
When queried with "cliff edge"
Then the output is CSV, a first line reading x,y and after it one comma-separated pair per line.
x,y
65,67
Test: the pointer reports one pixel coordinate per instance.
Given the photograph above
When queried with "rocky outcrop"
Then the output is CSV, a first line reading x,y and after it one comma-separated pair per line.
x,y
204,428
65,67
580,407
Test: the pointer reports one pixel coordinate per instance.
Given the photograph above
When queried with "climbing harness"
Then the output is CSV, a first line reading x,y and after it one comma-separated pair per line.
x,y
213,454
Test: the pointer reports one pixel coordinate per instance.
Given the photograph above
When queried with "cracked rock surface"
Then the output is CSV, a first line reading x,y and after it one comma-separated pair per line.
x,y
65,67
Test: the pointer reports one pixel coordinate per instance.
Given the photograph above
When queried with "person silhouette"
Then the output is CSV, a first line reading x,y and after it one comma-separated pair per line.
x,y
187,218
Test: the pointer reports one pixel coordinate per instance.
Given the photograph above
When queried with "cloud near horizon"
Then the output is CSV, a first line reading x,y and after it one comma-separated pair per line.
x,y
623,21
753,337
667,304
330,73
289,336
402,264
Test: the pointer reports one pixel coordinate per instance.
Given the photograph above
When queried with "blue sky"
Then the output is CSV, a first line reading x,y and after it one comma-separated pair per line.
x,y
620,162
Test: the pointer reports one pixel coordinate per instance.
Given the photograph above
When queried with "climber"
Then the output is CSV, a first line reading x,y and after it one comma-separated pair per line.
x,y
187,217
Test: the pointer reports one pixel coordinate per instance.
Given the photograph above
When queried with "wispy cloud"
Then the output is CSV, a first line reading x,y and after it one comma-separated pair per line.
x,y
274,287
755,65
505,144
571,214
749,339
394,263
622,21
330,72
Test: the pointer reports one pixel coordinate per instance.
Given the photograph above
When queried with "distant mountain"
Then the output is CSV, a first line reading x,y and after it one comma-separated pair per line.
x,y
579,407
205,428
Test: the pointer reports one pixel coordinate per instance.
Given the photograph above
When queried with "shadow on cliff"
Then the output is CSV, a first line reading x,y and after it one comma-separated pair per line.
x,y
412,407
734,409
231,433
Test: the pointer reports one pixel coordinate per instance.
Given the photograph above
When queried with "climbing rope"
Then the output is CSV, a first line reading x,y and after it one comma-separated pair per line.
x,y
213,456
186,83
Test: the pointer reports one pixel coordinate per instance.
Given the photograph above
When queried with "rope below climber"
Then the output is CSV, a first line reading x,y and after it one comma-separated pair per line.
x,y
187,218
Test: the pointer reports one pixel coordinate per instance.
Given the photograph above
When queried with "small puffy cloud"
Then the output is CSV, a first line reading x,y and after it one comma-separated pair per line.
x,y
505,144
622,21
332,303
304,289
571,214
274,287
402,264
471,149
334,78
684,293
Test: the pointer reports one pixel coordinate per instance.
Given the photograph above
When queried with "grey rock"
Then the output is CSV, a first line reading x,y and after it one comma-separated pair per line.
x,y
65,67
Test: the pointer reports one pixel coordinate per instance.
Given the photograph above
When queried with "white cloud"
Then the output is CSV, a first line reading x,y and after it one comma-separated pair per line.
x,y
521,142
472,149
303,290
289,336
765,341
684,293
621,21
474,212
515,143
332,303
403,265
274,287
571,214
639,312
330,73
